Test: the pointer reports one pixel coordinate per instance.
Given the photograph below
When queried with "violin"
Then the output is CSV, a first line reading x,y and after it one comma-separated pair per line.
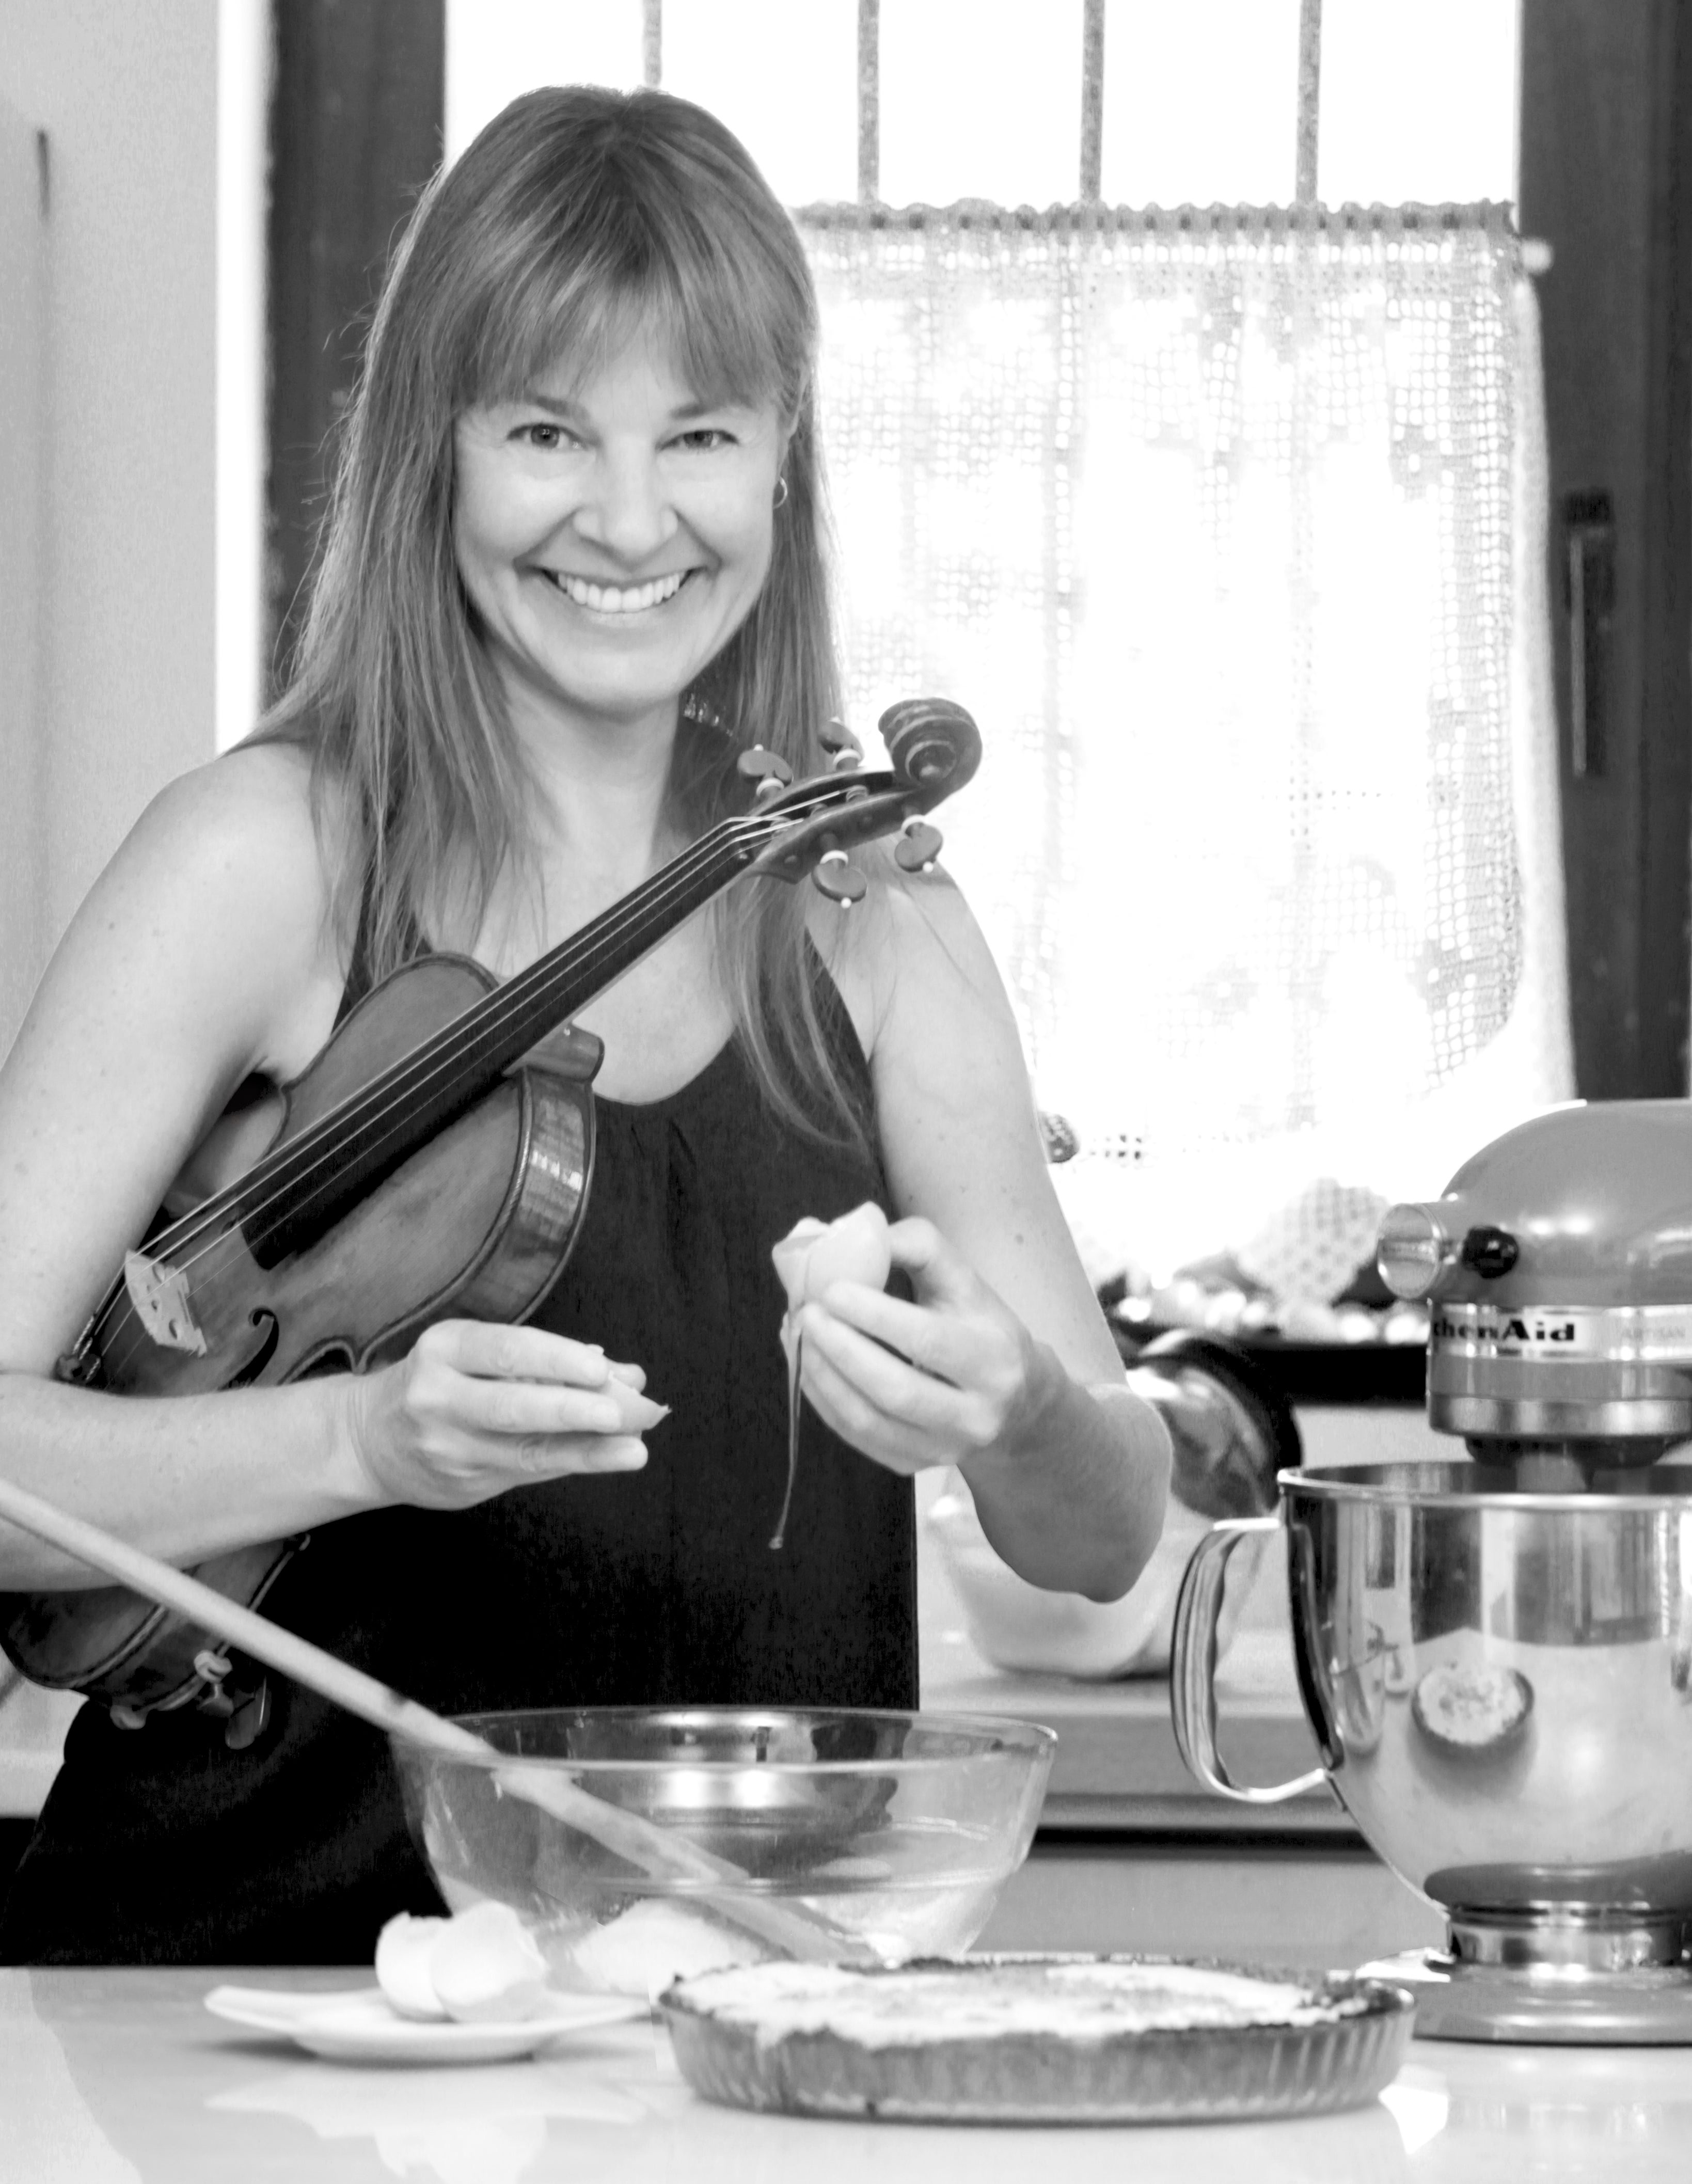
x,y
434,1160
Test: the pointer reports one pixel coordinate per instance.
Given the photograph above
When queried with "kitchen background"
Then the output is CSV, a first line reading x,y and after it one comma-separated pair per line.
x,y
1333,656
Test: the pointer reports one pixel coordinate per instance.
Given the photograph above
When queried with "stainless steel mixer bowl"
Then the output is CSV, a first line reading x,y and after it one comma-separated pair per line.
x,y
1500,1683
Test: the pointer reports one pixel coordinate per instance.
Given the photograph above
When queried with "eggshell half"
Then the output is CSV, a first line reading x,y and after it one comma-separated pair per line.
x,y
814,1254
403,1948
486,1966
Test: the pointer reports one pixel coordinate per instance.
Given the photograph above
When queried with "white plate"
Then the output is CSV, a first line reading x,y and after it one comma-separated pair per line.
x,y
362,2026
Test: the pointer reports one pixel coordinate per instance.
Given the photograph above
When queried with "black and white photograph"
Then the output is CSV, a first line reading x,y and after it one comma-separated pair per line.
x,y
845,1133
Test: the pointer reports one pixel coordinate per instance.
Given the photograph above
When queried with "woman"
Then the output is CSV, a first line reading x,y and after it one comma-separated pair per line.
x,y
572,566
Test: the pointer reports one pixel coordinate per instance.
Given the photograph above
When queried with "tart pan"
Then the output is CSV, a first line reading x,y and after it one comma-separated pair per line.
x,y
1348,2048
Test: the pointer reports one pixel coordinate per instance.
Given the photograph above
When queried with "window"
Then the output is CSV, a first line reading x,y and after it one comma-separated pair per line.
x,y
1176,508
1400,119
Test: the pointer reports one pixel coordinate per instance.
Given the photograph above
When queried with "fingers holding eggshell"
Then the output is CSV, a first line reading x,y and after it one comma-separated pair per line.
x,y
920,1425
939,1380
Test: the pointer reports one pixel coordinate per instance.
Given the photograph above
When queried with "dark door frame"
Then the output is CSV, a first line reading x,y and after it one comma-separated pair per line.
x,y
356,130
1606,179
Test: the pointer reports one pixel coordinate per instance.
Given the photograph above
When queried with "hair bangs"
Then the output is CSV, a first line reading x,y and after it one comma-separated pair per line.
x,y
633,261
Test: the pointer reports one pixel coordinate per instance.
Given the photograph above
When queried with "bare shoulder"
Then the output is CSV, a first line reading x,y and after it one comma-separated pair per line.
x,y
954,1108
200,958
911,948
931,1009
244,820
217,903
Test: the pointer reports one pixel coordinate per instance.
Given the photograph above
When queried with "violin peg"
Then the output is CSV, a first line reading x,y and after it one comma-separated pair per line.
x,y
918,845
770,788
840,882
761,765
842,746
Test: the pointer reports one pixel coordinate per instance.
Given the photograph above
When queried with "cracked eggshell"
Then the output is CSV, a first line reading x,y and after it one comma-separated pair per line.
x,y
487,1966
814,1254
404,1947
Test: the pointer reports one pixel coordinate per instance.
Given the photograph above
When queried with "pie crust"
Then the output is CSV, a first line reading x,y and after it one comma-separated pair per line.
x,y
1037,2039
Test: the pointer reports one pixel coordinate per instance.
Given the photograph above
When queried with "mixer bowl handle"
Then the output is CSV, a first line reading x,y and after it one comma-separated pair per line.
x,y
1193,1666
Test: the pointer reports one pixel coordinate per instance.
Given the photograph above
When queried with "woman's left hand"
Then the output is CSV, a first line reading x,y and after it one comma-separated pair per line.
x,y
946,1379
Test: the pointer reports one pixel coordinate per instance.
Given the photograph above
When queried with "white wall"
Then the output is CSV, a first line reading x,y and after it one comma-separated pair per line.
x,y
23,333
127,685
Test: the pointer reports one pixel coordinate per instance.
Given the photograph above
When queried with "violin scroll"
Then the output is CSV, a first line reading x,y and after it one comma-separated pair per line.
x,y
932,742
935,748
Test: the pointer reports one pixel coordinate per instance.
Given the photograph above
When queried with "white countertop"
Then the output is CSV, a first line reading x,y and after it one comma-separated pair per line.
x,y
121,2077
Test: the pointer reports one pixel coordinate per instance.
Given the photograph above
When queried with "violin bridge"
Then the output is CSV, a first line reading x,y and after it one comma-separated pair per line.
x,y
160,1297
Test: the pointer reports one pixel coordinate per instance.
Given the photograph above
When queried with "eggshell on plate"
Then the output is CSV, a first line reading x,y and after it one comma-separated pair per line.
x,y
404,1947
486,1966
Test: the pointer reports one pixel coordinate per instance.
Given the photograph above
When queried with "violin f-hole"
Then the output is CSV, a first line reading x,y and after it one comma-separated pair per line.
x,y
269,1335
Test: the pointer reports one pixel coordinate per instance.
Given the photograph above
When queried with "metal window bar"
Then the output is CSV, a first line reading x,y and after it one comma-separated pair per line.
x,y
652,43
1092,101
1091,97
1309,87
869,101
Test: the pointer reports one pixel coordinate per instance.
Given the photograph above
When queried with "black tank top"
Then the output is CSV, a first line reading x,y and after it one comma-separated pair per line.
x,y
657,1587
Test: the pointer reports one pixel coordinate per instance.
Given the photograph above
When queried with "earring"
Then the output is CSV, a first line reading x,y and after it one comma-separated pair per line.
x,y
781,491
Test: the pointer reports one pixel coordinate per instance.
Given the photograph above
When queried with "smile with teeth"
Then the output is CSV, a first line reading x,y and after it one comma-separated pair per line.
x,y
616,599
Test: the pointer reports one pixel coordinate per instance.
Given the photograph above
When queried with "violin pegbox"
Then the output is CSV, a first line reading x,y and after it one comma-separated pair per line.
x,y
918,845
770,774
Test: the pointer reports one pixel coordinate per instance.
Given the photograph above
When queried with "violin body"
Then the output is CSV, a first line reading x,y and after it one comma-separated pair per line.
x,y
433,1162
477,1223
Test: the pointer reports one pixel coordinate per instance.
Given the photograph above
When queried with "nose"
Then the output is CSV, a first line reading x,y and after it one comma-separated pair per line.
x,y
626,509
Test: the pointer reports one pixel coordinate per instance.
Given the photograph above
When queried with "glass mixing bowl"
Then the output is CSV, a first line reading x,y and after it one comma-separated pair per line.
x,y
639,1846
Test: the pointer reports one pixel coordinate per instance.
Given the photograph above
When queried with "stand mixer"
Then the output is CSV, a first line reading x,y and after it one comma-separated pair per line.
x,y
1558,1269
1495,1653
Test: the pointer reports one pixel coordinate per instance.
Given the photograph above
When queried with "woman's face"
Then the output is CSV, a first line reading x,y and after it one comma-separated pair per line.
x,y
612,536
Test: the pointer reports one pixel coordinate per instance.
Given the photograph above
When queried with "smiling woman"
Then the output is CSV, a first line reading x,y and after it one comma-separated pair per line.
x,y
610,545
572,577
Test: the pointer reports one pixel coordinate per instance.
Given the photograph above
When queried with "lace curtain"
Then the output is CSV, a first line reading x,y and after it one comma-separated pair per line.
x,y
1228,525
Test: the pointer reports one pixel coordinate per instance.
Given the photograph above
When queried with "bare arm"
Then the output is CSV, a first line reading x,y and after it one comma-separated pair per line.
x,y
1013,1374
201,958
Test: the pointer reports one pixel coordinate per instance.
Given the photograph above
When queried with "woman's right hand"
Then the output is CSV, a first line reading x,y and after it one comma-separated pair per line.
x,y
473,1409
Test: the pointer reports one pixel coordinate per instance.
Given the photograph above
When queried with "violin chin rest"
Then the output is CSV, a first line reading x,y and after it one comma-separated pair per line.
x,y
567,1052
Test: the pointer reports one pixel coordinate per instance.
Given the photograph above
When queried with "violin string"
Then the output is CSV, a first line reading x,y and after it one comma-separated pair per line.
x,y
394,1094
485,1019
397,1088
441,1053
438,1058
397,1091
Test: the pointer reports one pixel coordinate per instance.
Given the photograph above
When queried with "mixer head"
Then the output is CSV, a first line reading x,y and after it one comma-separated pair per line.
x,y
1557,1269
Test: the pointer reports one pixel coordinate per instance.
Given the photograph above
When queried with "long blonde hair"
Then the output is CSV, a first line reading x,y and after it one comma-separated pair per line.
x,y
578,218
